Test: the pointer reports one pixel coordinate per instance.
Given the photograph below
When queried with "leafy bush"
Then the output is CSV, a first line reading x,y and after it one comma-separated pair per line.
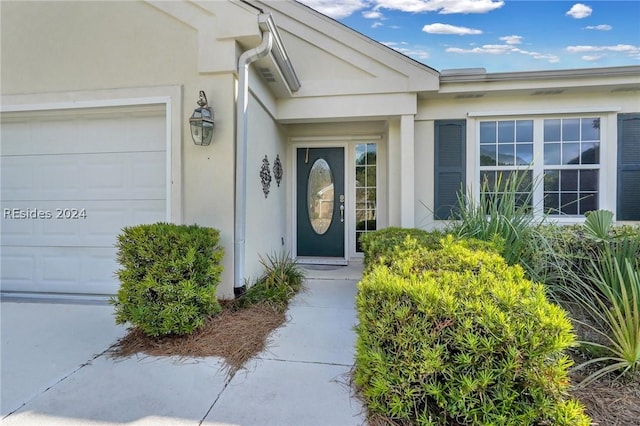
x,y
378,245
281,280
457,336
168,278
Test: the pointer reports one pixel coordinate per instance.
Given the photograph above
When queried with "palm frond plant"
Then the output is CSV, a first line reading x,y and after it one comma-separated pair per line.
x,y
617,315
503,214
609,292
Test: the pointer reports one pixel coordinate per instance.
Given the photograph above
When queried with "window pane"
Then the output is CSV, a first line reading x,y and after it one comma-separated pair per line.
x,y
488,132
590,153
488,155
524,131
371,176
588,202
506,131
552,153
551,130
589,180
360,154
524,153
569,202
505,155
570,153
569,180
590,129
366,186
552,203
551,180
361,177
487,180
571,129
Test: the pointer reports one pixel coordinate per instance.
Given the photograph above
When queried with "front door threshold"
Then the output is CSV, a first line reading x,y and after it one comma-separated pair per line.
x,y
307,260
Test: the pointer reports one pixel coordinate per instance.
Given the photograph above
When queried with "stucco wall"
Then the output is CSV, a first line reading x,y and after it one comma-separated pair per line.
x,y
266,232
55,48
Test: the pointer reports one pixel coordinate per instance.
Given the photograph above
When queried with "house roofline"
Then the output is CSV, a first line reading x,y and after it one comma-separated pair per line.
x,y
479,75
366,38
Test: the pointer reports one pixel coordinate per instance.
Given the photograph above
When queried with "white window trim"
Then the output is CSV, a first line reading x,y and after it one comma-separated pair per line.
x,y
607,180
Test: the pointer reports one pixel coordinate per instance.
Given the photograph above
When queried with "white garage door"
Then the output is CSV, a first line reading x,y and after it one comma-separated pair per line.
x,y
70,181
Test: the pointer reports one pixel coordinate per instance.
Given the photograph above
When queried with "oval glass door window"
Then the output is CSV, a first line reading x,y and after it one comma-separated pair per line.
x,y
320,196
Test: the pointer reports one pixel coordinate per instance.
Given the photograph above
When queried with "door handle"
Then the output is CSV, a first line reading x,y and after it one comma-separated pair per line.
x,y
341,212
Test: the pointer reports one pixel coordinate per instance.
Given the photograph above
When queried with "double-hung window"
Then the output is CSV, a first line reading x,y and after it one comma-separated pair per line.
x,y
557,161
571,165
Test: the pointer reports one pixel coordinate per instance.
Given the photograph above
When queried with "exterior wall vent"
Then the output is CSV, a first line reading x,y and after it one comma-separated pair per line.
x,y
267,74
547,92
469,95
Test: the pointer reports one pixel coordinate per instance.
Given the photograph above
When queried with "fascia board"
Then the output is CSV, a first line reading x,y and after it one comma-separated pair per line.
x,y
299,16
346,107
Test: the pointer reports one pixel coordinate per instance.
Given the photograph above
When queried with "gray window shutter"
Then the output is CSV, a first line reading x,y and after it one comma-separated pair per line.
x,y
628,167
449,155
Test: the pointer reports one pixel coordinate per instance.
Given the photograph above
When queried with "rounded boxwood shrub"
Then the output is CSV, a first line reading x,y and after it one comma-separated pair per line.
x,y
455,336
168,277
379,245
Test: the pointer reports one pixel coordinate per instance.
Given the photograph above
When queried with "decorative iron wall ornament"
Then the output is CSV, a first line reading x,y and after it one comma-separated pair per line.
x,y
277,169
265,176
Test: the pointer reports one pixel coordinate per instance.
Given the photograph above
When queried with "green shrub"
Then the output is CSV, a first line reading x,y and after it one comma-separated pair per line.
x,y
281,280
378,245
168,278
457,336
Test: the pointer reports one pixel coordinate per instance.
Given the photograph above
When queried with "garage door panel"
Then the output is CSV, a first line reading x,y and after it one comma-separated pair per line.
x,y
82,133
59,270
71,180
62,224
84,177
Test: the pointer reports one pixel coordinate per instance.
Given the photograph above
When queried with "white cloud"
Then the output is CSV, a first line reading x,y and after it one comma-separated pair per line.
x,y
512,39
503,49
449,29
440,6
579,11
602,27
336,9
372,14
627,49
591,58
412,51
377,24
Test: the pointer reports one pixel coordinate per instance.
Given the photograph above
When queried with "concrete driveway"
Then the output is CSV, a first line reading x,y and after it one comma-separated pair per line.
x,y
55,371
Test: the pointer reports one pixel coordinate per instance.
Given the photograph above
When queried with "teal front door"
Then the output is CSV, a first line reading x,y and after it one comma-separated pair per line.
x,y
320,202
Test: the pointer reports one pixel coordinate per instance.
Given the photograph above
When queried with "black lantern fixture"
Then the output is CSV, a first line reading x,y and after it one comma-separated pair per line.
x,y
202,122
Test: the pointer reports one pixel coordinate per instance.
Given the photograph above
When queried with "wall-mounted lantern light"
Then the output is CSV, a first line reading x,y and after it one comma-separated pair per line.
x,y
201,122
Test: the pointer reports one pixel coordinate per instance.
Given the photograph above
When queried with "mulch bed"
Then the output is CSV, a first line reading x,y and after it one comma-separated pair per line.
x,y
233,335
609,402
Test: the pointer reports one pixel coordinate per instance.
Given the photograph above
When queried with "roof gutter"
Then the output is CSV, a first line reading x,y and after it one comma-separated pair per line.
x,y
244,61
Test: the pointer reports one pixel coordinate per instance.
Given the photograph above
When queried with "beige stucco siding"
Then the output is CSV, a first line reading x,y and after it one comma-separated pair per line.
x,y
266,232
57,52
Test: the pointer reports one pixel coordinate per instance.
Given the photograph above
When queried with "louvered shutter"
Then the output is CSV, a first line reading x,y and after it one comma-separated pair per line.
x,y
449,155
628,167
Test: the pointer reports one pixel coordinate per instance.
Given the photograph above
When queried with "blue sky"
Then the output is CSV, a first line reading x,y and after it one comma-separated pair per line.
x,y
501,36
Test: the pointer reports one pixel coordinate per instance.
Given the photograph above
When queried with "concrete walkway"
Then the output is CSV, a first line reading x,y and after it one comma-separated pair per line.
x,y
55,372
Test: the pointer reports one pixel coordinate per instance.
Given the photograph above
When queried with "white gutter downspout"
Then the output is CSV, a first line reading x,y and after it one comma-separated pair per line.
x,y
244,61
